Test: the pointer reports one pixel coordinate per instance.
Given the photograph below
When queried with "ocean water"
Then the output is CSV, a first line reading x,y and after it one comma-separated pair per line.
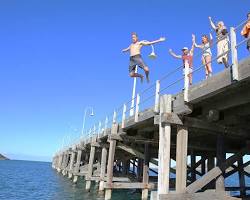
x,y
28,180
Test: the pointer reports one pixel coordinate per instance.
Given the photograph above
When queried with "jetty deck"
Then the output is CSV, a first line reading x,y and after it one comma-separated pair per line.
x,y
194,129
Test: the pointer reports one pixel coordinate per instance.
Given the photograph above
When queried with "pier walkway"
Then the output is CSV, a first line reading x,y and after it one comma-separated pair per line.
x,y
193,130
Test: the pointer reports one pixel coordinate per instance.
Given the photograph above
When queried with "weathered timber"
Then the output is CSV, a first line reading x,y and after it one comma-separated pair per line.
x,y
208,195
164,147
181,159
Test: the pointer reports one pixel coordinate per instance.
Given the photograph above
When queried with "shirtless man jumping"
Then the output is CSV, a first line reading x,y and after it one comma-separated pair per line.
x,y
135,56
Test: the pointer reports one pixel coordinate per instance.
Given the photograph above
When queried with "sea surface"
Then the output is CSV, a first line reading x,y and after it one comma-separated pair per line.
x,y
29,180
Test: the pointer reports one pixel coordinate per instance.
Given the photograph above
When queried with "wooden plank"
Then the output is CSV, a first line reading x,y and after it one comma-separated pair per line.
x,y
180,107
207,195
215,172
115,179
213,128
95,144
169,118
115,137
235,169
181,159
164,147
134,185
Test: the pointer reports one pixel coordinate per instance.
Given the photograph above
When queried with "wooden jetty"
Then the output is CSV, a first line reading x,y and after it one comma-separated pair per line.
x,y
194,129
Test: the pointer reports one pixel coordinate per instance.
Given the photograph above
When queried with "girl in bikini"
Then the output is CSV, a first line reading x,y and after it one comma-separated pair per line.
x,y
206,53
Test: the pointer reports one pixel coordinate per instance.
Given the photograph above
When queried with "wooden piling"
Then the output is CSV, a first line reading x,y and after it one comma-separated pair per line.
x,y
210,166
77,167
181,159
164,146
71,165
112,146
221,156
242,178
90,166
103,168
145,177
193,162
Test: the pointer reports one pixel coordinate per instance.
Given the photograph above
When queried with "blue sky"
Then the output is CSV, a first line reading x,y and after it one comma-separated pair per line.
x,y
57,57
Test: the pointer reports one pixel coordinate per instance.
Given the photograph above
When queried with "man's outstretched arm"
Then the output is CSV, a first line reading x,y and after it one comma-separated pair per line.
x,y
127,49
162,39
173,54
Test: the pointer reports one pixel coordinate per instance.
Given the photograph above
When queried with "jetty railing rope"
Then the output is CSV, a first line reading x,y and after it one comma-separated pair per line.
x,y
123,110
241,24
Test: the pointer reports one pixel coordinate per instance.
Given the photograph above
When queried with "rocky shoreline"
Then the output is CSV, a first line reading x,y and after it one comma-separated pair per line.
x,y
3,157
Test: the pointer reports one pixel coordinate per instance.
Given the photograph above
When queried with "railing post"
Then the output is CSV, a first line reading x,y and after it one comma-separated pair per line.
x,y
99,129
90,134
131,113
114,117
124,115
106,126
137,107
94,132
186,80
157,96
235,72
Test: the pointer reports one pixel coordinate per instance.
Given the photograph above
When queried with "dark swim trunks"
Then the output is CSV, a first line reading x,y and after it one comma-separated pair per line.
x,y
136,60
248,44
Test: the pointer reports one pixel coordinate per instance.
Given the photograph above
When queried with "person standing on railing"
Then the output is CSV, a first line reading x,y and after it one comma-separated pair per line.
x,y
187,55
222,42
246,31
206,53
135,56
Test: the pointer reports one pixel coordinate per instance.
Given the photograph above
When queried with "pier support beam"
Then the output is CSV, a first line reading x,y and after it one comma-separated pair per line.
x,y
112,146
193,161
90,167
59,164
242,178
103,168
65,163
203,164
210,166
145,177
221,156
164,146
71,165
77,167
139,169
181,159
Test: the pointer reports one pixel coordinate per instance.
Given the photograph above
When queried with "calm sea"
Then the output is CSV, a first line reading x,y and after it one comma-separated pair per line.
x,y
28,180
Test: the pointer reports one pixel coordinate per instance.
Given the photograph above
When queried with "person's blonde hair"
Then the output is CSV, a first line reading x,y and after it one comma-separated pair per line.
x,y
134,33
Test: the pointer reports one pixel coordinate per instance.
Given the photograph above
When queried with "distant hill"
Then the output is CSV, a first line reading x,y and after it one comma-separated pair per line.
x,y
3,157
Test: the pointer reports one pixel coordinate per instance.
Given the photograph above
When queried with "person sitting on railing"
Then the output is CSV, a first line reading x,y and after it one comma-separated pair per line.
x,y
222,42
187,55
206,53
135,56
246,31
